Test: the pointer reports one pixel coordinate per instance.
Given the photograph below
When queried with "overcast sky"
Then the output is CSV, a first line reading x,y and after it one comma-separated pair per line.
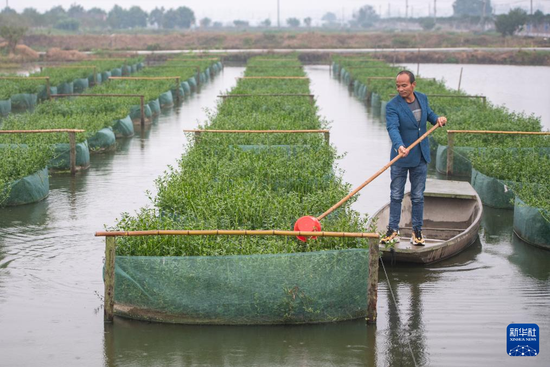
x,y
258,10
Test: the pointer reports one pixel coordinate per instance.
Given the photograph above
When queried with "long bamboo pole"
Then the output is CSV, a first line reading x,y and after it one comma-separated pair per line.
x,y
141,101
274,77
72,141
143,77
227,232
380,171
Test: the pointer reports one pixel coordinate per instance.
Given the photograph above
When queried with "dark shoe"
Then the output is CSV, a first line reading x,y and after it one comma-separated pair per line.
x,y
417,238
391,235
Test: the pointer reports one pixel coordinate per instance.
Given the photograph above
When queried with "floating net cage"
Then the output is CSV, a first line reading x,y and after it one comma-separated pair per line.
x,y
296,288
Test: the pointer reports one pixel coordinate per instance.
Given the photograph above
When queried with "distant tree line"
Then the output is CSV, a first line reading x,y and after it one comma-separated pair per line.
x,y
77,17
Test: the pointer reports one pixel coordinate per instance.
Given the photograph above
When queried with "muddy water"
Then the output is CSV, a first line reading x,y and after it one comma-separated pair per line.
x,y
454,313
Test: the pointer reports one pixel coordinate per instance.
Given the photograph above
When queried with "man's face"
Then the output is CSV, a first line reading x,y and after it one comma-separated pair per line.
x,y
404,86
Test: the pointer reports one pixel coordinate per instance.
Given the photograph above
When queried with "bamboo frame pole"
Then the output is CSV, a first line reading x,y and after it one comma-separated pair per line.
x,y
41,131
450,141
274,67
293,60
46,78
380,171
141,100
224,96
109,293
72,152
450,152
499,132
143,77
197,133
195,60
48,89
274,77
258,131
372,287
233,232
483,98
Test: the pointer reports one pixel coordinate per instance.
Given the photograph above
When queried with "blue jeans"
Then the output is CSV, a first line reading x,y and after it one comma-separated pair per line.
x,y
417,176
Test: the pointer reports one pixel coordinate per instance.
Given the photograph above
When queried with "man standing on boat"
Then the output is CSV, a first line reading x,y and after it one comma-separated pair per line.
x,y
406,117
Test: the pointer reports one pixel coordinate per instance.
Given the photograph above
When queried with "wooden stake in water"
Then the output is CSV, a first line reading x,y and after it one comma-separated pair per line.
x,y
109,295
372,288
460,79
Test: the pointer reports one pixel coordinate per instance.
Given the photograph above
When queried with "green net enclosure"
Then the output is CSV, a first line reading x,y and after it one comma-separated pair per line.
x,y
293,288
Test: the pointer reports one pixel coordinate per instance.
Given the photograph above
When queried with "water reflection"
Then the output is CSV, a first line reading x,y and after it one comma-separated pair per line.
x,y
135,343
531,260
406,341
497,224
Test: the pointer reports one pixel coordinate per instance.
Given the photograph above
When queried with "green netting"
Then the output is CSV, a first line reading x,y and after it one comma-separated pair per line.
x,y
166,99
383,105
80,85
461,165
124,128
62,157
65,88
29,189
192,83
135,112
255,289
186,88
43,94
493,192
5,107
126,70
98,77
23,102
133,68
375,101
105,76
530,225
433,148
154,105
103,140
289,149
116,72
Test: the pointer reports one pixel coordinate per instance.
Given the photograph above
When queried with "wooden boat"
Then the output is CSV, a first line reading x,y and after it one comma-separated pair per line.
x,y
452,216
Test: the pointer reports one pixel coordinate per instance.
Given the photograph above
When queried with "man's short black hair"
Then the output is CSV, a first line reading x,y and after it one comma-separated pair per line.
x,y
411,75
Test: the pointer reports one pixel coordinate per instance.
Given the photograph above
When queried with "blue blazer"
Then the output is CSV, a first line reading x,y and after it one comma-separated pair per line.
x,y
404,129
